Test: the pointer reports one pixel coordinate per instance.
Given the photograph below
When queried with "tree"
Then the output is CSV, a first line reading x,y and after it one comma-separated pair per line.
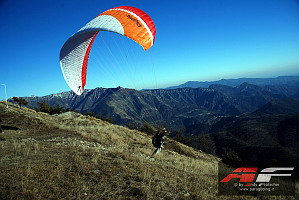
x,y
44,107
20,101
146,128
57,110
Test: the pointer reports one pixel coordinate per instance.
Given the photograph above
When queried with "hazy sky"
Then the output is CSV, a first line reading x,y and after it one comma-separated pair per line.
x,y
196,40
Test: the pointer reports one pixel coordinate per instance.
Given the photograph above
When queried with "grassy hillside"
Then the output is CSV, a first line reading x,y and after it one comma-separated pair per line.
x,y
72,156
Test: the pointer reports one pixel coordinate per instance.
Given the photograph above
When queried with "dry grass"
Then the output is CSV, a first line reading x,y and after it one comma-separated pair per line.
x,y
79,157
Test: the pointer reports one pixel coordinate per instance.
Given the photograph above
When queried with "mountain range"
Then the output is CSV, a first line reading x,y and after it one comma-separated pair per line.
x,y
281,80
234,116
192,109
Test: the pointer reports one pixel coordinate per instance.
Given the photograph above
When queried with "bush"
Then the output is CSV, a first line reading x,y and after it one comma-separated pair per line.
x,y
91,114
132,125
107,119
148,129
44,107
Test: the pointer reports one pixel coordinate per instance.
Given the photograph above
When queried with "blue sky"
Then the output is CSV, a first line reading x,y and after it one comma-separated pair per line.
x,y
198,40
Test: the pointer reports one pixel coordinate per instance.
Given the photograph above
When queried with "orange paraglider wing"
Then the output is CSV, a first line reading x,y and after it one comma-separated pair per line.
x,y
125,20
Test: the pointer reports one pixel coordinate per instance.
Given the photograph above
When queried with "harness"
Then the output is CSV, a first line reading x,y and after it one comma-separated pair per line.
x,y
158,139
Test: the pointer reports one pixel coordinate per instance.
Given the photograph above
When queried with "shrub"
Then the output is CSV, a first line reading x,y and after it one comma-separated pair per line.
x,y
148,129
99,116
44,107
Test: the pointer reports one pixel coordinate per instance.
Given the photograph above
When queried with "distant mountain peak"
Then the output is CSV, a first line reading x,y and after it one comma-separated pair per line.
x,y
236,82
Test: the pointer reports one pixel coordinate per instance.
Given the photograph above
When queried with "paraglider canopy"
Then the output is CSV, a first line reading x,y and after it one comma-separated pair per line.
x,y
125,20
